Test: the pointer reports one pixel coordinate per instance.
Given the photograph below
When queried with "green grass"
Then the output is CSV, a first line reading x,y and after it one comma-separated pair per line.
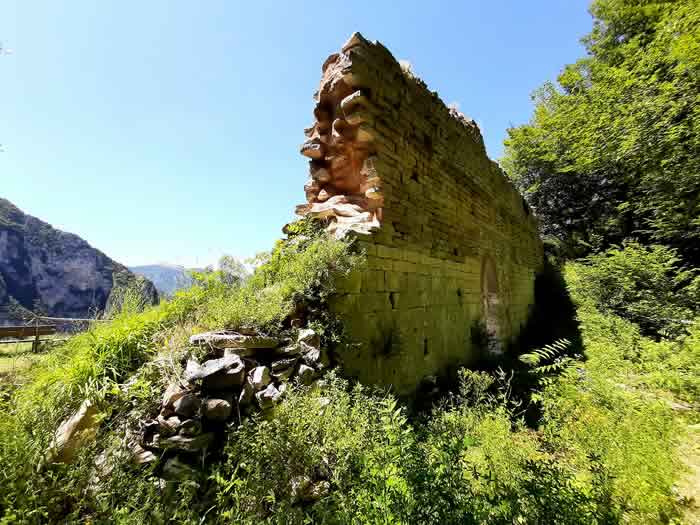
x,y
16,357
148,347
607,448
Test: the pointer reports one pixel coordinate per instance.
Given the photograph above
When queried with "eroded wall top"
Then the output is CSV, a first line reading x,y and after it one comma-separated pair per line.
x,y
381,139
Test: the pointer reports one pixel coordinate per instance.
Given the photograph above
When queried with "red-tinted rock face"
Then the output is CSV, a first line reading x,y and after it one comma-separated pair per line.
x,y
343,186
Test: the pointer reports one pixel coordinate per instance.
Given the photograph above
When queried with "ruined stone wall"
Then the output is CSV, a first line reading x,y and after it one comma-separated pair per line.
x,y
452,249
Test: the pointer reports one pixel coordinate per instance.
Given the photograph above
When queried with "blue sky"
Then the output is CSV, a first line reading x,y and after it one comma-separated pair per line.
x,y
169,130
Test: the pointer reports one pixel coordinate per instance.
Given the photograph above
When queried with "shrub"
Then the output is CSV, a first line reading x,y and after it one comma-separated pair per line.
x,y
356,441
619,438
480,464
620,445
92,364
673,366
87,366
298,271
644,284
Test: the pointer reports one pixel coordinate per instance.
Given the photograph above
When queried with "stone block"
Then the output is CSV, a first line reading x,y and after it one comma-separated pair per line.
x,y
404,267
351,283
394,281
373,281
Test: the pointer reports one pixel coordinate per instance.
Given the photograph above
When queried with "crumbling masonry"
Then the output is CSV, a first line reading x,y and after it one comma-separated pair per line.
x,y
452,248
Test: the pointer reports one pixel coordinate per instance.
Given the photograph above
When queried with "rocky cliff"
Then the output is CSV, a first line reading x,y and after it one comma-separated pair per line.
x,y
57,273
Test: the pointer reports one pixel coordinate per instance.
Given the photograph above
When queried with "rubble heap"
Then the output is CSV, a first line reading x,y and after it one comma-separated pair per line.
x,y
242,373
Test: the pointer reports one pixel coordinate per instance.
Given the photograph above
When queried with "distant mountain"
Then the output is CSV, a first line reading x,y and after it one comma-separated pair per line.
x,y
168,278
46,270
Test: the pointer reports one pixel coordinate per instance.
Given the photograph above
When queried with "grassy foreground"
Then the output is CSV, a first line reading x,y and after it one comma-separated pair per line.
x,y
607,445
16,357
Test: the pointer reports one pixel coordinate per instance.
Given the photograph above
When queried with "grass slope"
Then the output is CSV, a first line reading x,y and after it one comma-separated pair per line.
x,y
608,445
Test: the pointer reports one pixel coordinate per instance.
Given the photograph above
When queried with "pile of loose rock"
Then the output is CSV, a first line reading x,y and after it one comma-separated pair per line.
x,y
244,372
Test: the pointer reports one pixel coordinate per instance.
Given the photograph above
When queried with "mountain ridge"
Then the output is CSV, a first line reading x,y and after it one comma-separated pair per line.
x,y
167,278
57,273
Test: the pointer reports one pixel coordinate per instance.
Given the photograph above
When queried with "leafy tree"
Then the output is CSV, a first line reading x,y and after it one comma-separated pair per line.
x,y
232,270
613,149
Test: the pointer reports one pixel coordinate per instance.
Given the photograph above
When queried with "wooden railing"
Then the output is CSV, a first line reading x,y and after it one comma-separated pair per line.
x,y
35,331
36,327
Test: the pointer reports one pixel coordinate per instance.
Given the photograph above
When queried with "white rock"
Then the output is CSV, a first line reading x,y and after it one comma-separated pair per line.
x,y
194,371
141,456
314,357
260,377
310,337
217,409
172,394
167,426
247,393
283,369
226,339
306,374
75,431
268,397
226,379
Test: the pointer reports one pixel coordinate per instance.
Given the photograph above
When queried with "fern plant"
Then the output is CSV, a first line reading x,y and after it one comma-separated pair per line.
x,y
548,362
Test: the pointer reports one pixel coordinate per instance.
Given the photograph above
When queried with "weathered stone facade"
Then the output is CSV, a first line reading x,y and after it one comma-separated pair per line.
x,y
452,249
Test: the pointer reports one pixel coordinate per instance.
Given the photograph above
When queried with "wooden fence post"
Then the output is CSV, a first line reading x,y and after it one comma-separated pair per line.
x,y
35,343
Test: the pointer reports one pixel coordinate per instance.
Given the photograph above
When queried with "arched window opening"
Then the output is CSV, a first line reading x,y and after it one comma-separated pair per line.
x,y
490,302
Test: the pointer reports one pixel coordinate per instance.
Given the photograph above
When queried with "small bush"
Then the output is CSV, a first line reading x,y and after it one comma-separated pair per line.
x,y
644,284
298,271
673,366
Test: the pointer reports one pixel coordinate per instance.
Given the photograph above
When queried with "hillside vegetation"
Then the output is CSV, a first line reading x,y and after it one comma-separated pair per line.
x,y
603,448
613,150
593,420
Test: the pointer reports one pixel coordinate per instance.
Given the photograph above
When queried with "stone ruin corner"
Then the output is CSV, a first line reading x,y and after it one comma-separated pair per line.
x,y
452,246
452,255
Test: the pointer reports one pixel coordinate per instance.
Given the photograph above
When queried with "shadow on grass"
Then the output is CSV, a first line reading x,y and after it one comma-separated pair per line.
x,y
553,318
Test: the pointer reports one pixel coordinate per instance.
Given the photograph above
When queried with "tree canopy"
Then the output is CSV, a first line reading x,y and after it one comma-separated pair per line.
x,y
612,150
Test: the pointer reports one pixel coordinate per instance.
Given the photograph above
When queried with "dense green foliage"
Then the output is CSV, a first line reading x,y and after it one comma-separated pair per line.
x,y
613,151
645,285
297,271
152,344
668,360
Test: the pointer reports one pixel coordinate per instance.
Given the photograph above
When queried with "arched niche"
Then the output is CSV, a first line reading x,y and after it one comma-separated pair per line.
x,y
491,305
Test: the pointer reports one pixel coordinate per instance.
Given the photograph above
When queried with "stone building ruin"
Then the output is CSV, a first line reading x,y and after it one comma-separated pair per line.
x,y
452,255
452,248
